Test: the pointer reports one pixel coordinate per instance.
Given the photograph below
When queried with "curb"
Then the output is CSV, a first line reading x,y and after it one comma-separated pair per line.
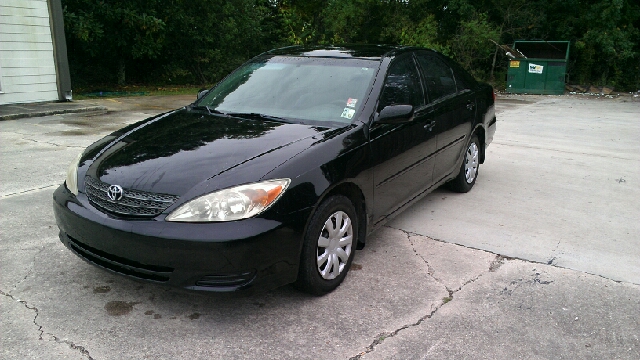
x,y
50,112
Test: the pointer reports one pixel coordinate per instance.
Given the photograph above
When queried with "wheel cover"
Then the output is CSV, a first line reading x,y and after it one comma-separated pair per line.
x,y
471,163
334,245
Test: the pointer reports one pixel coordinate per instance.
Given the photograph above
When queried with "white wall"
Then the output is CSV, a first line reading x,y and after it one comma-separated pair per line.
x,y
27,68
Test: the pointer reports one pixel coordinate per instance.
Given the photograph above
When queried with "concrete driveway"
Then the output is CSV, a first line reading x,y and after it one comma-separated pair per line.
x,y
560,186
540,260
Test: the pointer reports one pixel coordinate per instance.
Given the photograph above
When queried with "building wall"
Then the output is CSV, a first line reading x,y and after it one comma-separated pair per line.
x,y
27,67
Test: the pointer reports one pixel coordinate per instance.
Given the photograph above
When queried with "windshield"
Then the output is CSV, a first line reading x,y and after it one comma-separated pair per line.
x,y
299,89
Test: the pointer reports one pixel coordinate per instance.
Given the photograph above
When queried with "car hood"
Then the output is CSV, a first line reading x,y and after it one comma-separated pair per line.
x,y
172,153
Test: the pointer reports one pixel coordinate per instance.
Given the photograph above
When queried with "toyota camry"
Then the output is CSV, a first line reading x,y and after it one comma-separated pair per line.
x,y
278,173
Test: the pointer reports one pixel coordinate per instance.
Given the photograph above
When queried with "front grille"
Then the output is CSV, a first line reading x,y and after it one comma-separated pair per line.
x,y
133,202
119,264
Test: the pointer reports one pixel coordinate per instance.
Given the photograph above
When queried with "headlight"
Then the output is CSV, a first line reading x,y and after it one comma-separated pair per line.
x,y
72,175
236,203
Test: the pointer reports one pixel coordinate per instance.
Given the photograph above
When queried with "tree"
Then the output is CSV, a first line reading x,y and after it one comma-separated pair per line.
x,y
471,46
199,41
208,38
114,31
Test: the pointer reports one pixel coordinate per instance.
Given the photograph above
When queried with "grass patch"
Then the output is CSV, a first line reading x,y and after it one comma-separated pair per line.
x,y
446,299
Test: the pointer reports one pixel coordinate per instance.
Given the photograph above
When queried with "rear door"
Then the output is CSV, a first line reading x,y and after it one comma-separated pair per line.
x,y
453,106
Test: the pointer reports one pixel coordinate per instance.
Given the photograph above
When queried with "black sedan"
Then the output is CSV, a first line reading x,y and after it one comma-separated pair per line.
x,y
278,173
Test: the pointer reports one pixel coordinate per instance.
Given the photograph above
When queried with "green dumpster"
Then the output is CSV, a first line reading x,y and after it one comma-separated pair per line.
x,y
541,71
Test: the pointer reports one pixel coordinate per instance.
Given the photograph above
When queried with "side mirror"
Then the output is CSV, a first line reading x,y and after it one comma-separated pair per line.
x,y
201,93
395,114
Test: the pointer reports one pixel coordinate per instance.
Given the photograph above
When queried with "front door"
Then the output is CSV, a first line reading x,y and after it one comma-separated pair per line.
x,y
403,153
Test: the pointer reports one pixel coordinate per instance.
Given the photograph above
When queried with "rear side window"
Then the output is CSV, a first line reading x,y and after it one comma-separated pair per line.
x,y
438,77
464,80
402,85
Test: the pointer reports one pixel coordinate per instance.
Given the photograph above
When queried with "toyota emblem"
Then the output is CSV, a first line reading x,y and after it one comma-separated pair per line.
x,y
115,192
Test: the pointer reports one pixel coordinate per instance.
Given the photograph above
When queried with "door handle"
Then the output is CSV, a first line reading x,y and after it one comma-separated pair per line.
x,y
430,125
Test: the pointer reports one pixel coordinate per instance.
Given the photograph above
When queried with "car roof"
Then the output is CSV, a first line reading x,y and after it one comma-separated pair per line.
x,y
373,52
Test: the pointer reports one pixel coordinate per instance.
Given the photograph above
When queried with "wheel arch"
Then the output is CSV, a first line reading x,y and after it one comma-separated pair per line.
x,y
352,192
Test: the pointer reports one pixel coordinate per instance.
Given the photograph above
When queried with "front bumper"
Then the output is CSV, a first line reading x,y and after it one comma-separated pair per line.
x,y
253,253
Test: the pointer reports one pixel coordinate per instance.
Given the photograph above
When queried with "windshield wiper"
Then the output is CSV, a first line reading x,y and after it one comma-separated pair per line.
x,y
254,115
206,107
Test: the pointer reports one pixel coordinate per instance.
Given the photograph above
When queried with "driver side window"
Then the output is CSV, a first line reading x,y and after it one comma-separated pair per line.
x,y
402,85
438,77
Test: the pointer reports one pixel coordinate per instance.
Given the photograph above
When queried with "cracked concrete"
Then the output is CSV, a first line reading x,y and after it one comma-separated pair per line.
x,y
478,275
369,302
29,271
450,273
29,190
452,266
24,338
515,288
531,311
548,190
35,309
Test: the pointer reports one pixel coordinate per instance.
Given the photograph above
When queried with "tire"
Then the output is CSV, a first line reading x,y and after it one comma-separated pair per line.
x,y
469,169
329,246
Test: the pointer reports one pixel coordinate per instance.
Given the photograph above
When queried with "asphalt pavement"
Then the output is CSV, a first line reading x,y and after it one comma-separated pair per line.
x,y
541,260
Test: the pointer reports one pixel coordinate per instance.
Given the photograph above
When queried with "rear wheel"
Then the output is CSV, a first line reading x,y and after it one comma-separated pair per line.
x,y
469,169
329,246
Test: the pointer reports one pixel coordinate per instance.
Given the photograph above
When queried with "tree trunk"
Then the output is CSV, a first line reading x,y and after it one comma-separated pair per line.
x,y
493,65
121,72
495,54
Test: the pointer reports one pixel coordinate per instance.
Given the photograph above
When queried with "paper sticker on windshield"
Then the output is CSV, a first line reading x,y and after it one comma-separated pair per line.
x,y
352,102
348,113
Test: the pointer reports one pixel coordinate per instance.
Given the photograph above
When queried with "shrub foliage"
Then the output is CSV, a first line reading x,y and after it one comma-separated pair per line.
x,y
199,41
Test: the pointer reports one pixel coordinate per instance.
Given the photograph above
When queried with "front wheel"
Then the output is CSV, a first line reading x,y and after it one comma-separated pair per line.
x,y
329,246
469,170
